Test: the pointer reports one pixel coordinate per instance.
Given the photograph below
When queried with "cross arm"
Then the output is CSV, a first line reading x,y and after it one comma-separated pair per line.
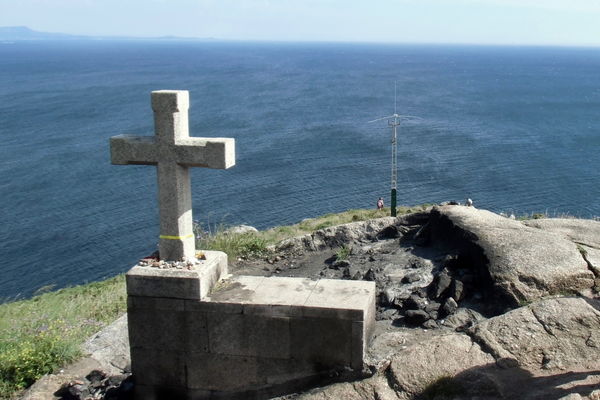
x,y
206,152
130,149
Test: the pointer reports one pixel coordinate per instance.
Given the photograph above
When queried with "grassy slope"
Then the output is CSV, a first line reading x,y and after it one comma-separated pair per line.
x,y
41,334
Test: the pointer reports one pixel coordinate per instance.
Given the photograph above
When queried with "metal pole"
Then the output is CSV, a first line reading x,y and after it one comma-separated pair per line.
x,y
394,174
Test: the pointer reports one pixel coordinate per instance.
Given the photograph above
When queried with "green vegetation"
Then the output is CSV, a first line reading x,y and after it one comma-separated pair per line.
x,y
444,387
343,253
44,333
41,334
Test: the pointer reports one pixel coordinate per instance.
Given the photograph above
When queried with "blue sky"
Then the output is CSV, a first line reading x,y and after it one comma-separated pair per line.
x,y
542,22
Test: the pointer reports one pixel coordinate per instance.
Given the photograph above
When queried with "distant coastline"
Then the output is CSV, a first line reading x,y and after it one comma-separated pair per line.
x,y
24,33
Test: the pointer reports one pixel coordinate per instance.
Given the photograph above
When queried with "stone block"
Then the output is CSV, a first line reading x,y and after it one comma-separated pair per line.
x,y
358,344
196,333
341,299
154,303
248,335
323,341
178,283
207,371
154,367
157,329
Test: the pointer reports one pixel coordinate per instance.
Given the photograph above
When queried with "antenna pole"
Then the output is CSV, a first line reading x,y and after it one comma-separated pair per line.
x,y
395,91
394,175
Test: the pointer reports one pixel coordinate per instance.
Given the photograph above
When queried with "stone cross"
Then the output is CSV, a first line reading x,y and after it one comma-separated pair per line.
x,y
172,150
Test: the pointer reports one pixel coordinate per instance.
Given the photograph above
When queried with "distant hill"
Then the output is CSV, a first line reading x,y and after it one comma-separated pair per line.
x,y
13,33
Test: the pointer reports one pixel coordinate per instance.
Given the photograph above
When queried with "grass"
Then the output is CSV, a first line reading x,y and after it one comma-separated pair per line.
x,y
41,334
343,253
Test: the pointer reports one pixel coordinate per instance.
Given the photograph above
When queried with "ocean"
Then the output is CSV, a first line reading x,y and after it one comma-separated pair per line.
x,y
517,129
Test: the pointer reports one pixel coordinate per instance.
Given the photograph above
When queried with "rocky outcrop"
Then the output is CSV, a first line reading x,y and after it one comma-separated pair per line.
x,y
413,369
559,333
375,388
581,231
361,231
104,373
522,263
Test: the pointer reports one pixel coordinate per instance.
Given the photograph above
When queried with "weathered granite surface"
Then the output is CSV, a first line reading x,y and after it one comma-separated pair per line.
x,y
523,263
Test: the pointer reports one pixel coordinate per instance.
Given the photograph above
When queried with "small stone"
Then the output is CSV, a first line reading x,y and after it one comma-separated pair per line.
x,y
79,391
432,306
389,296
95,377
572,396
442,283
430,324
416,317
450,306
370,275
411,277
414,302
457,290
595,395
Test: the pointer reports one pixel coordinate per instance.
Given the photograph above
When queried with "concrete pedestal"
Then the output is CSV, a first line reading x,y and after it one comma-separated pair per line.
x,y
246,337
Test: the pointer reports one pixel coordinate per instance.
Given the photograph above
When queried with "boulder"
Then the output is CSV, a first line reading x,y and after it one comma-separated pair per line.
x,y
416,317
241,229
450,306
522,263
110,347
582,231
413,368
559,333
441,284
374,388
463,318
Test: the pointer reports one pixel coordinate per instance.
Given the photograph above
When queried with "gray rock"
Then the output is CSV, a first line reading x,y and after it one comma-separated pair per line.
x,y
414,302
241,229
416,317
375,388
432,306
552,334
458,290
572,396
523,262
370,275
335,236
439,356
430,324
463,318
582,231
592,256
110,347
411,277
441,284
450,306
389,296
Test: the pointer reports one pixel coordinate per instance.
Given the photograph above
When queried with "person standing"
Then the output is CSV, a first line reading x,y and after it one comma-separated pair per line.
x,y
380,204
